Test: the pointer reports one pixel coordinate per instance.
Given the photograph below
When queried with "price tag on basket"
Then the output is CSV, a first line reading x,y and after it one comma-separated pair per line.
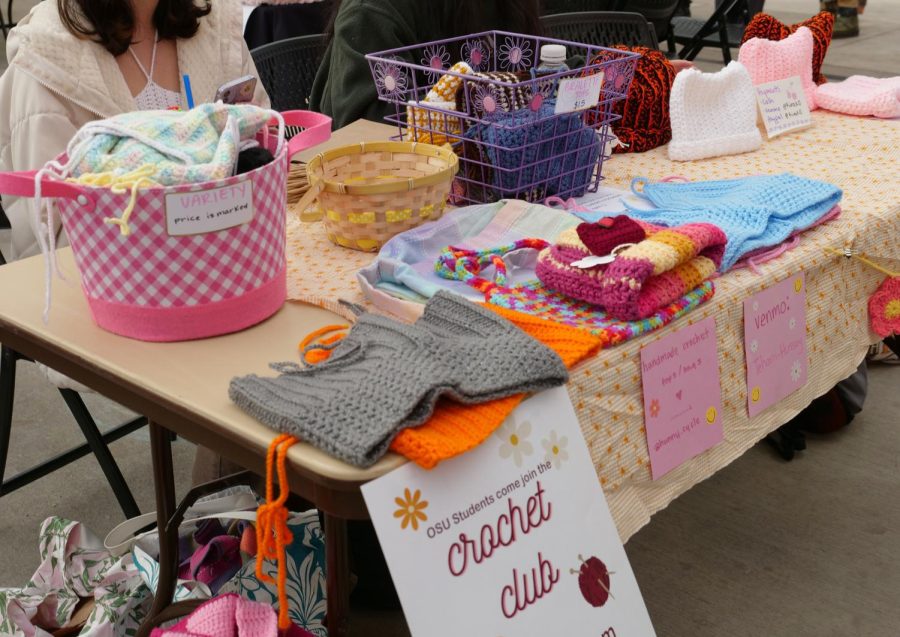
x,y
578,93
209,210
513,538
782,106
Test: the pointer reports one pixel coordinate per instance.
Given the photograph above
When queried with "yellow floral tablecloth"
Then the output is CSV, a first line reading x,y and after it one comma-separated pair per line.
x,y
860,155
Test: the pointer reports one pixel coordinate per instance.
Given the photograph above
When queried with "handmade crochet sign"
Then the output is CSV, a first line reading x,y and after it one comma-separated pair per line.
x,y
578,93
512,538
782,106
209,210
682,396
775,342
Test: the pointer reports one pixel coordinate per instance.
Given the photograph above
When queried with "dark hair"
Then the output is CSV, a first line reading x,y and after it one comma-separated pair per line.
x,y
111,22
469,17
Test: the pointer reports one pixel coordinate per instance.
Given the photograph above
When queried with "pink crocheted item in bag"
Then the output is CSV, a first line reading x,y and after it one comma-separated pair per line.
x,y
769,61
229,616
861,95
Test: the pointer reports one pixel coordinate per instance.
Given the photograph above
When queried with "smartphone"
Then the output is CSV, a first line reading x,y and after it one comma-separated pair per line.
x,y
237,91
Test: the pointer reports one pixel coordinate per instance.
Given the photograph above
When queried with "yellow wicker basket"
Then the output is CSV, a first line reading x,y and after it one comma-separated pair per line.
x,y
369,192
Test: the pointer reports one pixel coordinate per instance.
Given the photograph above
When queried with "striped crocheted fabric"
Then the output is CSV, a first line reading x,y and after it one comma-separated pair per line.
x,y
643,278
534,298
644,124
822,25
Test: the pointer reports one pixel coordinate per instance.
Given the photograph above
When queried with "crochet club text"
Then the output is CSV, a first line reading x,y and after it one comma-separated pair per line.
x,y
520,517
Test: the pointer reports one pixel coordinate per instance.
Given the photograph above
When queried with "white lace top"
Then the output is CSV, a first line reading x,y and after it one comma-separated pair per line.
x,y
153,96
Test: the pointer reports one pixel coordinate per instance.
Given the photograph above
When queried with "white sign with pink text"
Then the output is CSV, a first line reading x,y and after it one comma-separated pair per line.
x,y
209,210
514,538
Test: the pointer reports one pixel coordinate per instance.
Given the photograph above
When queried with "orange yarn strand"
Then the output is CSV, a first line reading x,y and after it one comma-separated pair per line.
x,y
272,533
315,356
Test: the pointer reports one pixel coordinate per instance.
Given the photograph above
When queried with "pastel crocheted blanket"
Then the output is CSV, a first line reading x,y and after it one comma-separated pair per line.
x,y
653,270
754,212
534,298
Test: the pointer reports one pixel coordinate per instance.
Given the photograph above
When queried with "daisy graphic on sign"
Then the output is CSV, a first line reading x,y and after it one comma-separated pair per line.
x,y
792,323
411,509
555,448
515,440
795,371
754,346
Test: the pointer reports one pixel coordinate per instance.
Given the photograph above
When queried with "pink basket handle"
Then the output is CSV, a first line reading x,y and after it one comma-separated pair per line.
x,y
317,129
21,184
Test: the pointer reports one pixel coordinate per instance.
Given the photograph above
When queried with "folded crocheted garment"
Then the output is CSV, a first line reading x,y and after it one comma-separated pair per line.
x,y
764,26
178,146
455,428
861,95
642,278
768,60
535,298
556,153
754,212
385,375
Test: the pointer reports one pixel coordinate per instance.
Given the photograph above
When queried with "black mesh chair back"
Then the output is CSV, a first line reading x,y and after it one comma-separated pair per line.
x,y
551,7
602,28
724,30
275,22
287,69
658,12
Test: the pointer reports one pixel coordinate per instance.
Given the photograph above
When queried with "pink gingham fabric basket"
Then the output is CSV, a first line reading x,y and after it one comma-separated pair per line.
x,y
155,286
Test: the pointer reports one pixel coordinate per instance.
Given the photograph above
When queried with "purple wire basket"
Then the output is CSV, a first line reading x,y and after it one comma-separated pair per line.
x,y
502,120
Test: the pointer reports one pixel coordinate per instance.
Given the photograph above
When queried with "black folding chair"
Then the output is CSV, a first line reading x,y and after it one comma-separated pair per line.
x,y
287,69
603,28
718,31
6,22
96,442
657,12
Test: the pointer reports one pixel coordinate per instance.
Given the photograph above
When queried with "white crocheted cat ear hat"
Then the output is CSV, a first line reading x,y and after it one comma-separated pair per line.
x,y
713,114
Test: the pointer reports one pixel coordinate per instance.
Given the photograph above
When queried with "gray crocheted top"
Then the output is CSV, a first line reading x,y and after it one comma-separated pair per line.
x,y
386,375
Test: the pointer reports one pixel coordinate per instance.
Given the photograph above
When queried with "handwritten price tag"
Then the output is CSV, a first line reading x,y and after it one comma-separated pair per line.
x,y
682,396
203,211
578,93
782,106
775,343
512,538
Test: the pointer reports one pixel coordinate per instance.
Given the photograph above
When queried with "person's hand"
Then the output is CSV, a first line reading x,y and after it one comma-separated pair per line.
x,y
681,65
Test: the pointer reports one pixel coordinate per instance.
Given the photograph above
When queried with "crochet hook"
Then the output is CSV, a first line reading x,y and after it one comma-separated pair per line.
x,y
187,90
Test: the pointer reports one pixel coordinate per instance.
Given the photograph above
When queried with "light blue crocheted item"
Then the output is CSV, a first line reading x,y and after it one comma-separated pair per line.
x,y
537,152
755,212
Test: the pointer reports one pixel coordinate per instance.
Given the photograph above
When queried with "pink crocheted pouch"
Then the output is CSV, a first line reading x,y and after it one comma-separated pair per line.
x,y
641,278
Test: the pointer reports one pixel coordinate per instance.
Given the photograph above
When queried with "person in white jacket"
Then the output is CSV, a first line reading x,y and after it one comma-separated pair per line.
x,y
74,61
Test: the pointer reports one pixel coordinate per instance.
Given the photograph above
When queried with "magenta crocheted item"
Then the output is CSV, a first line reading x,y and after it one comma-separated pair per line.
x,y
534,298
884,308
770,60
602,237
642,278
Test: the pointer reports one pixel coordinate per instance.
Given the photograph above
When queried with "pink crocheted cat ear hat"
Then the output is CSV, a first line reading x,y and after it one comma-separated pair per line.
x,y
769,61
861,95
